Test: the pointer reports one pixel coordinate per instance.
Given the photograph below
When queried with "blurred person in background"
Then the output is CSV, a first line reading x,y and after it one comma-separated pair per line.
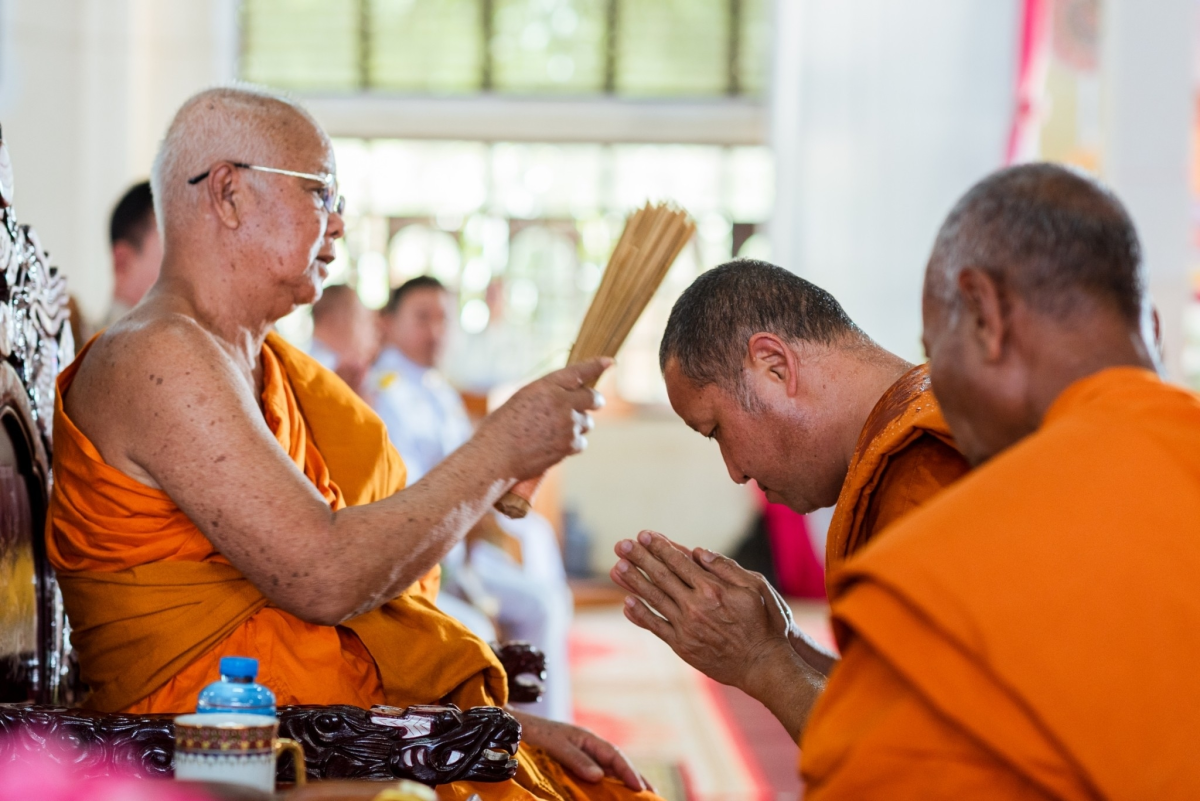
x,y
345,335
510,571
136,250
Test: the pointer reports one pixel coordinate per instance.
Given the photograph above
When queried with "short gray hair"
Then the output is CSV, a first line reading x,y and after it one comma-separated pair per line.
x,y
1053,235
238,122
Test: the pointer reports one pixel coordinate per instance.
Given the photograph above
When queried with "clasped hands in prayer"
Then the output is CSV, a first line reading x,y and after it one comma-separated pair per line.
x,y
727,622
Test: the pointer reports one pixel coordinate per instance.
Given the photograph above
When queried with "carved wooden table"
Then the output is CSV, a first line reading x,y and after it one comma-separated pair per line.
x,y
429,744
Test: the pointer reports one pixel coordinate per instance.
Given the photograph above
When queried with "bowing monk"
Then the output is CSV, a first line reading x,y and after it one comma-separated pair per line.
x,y
1032,632
799,399
219,492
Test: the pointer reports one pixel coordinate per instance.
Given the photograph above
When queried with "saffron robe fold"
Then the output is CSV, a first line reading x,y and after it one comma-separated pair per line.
x,y
1034,631
154,606
905,455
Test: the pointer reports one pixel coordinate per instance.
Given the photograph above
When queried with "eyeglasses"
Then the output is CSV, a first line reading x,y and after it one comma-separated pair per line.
x,y
330,199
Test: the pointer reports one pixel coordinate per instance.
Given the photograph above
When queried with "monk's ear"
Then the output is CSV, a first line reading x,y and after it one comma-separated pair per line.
x,y
224,190
985,311
767,353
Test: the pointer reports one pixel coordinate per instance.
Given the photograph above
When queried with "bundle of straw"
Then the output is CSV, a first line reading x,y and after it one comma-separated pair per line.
x,y
653,238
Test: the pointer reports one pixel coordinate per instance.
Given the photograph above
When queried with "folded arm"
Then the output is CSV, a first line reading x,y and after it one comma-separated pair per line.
x,y
171,407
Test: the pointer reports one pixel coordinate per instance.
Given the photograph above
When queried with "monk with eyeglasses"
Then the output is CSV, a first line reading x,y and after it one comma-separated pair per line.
x,y
218,492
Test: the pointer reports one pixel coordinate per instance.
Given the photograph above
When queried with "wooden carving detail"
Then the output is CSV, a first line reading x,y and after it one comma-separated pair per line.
x,y
33,334
101,745
526,669
429,744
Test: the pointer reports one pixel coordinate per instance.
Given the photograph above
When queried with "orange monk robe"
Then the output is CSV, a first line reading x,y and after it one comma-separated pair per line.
x,y
1034,631
904,456
154,606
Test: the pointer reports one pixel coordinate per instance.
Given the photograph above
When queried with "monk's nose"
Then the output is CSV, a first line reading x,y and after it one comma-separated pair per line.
x,y
735,474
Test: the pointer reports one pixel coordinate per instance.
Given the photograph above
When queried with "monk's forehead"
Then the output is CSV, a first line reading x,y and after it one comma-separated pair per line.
x,y
693,403
293,138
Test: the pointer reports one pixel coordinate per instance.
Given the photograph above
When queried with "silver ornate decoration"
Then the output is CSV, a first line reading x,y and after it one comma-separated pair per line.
x,y
33,308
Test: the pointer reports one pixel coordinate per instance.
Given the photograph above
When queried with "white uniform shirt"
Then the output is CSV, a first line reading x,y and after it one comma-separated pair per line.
x,y
425,416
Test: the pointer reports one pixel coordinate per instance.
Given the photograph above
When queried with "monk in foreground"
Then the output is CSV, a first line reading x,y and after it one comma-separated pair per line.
x,y
1032,632
218,492
799,399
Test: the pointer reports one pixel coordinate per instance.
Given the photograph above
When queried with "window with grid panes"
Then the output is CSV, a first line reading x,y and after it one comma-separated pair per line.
x,y
630,48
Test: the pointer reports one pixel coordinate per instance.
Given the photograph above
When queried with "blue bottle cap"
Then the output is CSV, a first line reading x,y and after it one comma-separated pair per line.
x,y
240,667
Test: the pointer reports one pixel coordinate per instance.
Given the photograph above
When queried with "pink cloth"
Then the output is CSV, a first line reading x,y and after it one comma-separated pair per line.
x,y
1031,80
798,568
59,771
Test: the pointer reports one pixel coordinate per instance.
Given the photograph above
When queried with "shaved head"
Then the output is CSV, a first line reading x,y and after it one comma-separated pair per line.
x,y
1053,236
242,185
234,123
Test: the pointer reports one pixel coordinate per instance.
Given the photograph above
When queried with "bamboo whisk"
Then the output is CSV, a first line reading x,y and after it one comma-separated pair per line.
x,y
654,236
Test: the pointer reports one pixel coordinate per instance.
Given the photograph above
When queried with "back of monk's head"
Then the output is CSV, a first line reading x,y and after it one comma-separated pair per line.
x,y
1054,237
713,320
1035,282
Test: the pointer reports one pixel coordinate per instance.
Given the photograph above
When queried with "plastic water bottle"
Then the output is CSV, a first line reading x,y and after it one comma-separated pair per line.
x,y
237,691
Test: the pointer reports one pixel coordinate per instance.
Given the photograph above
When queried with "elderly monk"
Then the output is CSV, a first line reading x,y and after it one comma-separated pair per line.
x,y
1032,632
799,399
219,492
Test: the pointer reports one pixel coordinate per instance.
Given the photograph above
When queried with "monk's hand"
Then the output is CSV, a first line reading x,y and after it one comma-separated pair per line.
x,y
582,753
723,623
817,657
546,421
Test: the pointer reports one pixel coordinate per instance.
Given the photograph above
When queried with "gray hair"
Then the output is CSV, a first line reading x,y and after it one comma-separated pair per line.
x,y
710,326
240,122
1051,234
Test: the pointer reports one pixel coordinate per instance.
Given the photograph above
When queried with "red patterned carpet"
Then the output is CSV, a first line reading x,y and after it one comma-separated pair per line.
x,y
695,739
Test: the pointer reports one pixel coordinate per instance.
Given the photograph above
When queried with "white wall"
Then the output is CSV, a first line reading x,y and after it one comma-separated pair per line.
x,y
884,113
1148,107
653,472
86,89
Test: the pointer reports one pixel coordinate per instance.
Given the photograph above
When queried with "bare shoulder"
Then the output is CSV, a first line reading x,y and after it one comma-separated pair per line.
x,y
152,371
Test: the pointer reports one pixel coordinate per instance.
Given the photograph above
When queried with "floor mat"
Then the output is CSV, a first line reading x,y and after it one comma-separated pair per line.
x,y
694,739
